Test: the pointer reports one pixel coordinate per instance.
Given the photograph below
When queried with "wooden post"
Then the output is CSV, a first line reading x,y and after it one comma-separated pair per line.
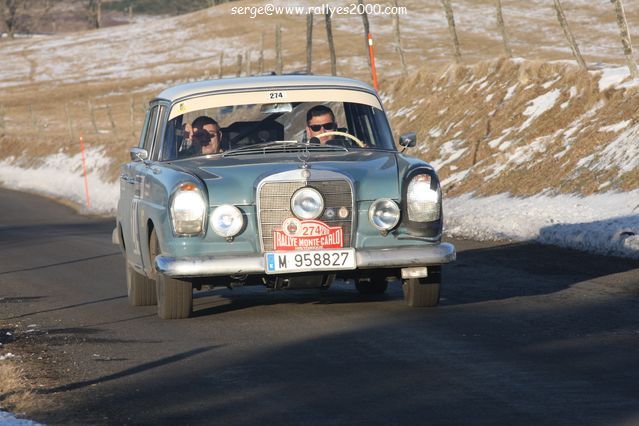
x,y
238,69
69,124
309,42
34,120
132,111
247,61
331,45
110,114
569,35
624,34
450,17
278,49
2,125
220,70
92,111
502,30
398,41
367,30
84,170
260,62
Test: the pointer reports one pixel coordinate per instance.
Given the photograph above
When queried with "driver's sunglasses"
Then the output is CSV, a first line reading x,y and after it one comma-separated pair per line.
x,y
327,126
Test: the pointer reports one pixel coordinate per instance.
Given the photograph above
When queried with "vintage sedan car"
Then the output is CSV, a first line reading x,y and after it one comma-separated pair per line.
x,y
287,181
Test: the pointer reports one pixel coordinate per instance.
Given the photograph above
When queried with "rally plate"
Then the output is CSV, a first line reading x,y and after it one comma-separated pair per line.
x,y
311,260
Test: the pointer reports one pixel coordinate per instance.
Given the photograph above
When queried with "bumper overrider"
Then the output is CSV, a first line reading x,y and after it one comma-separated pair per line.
x,y
253,263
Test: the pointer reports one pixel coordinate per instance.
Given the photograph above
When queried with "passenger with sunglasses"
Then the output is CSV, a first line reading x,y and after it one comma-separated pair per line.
x,y
320,119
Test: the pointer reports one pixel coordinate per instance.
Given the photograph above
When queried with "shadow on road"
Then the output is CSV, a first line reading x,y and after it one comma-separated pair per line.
x,y
501,364
523,269
129,371
61,308
68,262
17,236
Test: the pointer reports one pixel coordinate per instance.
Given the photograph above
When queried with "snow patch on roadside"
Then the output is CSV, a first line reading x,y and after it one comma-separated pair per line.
x,y
9,419
605,224
61,176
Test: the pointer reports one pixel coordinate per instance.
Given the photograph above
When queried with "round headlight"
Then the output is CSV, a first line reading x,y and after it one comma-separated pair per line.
x,y
227,220
307,203
384,214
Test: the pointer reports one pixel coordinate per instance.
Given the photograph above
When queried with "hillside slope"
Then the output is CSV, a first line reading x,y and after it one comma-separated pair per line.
x,y
523,127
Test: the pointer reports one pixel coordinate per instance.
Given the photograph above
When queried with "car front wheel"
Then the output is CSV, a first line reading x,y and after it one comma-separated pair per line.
x,y
140,289
423,292
175,297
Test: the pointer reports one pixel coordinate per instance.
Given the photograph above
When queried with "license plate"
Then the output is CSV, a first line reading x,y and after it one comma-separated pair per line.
x,y
316,260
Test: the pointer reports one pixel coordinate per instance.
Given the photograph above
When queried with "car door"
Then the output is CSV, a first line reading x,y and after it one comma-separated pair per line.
x,y
132,181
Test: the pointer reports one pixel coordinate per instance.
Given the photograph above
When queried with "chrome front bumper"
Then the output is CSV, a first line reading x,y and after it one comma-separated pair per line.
x,y
252,263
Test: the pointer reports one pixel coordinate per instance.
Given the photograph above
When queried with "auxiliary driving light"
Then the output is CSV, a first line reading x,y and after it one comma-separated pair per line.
x,y
307,203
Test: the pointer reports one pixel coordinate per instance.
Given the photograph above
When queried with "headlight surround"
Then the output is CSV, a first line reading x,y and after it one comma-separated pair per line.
x,y
307,203
188,210
227,220
384,214
422,202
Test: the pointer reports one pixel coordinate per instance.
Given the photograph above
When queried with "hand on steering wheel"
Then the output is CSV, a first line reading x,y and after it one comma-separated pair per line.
x,y
348,135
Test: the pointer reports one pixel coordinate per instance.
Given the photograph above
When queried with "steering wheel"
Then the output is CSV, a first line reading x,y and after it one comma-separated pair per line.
x,y
348,135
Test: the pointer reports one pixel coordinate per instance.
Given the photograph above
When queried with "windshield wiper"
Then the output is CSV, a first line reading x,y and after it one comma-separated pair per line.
x,y
282,146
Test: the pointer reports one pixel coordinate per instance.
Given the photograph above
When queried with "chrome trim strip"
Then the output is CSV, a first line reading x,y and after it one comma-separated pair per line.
x,y
253,263
210,265
396,257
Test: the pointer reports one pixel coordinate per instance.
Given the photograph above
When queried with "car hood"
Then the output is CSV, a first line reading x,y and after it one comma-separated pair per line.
x,y
233,179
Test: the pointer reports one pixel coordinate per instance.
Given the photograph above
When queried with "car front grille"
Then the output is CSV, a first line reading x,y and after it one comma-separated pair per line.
x,y
274,206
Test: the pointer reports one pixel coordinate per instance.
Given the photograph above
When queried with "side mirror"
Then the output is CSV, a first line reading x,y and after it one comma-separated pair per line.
x,y
408,140
138,154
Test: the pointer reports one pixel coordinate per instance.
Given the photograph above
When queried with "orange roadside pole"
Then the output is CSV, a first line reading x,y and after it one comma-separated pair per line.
x,y
372,56
86,178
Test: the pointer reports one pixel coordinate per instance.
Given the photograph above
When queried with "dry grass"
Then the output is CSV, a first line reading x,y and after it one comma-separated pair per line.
x,y
468,106
16,394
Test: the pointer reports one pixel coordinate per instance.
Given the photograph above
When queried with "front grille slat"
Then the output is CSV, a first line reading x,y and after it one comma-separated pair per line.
x,y
275,207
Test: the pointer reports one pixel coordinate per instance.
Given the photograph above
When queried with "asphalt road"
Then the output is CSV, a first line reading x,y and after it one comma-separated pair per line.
x,y
525,334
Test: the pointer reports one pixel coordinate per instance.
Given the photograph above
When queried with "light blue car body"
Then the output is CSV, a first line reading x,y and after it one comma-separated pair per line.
x,y
147,186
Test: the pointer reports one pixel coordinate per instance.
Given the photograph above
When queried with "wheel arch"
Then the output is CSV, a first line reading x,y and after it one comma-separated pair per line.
x,y
149,268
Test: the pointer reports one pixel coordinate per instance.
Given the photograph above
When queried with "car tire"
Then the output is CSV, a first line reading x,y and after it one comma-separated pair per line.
x,y
175,297
140,289
374,286
423,292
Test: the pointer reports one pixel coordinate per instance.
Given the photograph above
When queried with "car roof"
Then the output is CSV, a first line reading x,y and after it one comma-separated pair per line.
x,y
271,82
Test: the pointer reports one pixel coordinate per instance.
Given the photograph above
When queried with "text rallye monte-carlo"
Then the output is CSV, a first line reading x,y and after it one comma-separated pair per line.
x,y
287,181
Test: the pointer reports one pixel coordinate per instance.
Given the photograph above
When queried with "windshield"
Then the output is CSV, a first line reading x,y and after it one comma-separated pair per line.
x,y
229,129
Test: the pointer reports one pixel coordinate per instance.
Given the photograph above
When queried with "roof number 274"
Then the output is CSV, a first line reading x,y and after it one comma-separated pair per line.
x,y
274,96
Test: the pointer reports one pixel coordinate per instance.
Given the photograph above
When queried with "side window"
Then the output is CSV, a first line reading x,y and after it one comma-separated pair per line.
x,y
145,127
151,128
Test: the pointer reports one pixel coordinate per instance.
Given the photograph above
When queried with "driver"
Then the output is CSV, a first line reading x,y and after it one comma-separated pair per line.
x,y
320,119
